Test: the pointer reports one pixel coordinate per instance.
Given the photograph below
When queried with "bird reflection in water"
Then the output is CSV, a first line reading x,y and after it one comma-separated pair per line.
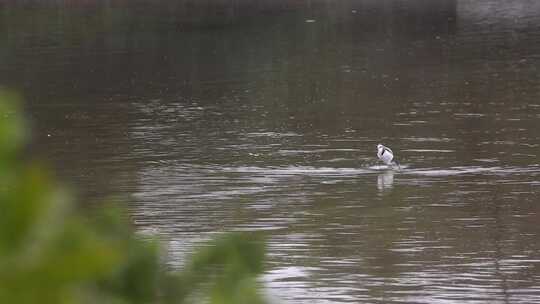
x,y
385,181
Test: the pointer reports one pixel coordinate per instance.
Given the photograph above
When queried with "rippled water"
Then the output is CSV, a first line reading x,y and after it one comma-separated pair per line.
x,y
272,126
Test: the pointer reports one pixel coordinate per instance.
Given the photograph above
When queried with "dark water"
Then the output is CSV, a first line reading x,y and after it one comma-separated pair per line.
x,y
270,123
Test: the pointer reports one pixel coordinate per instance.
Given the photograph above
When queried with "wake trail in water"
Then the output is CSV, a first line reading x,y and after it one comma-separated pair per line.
x,y
300,170
462,170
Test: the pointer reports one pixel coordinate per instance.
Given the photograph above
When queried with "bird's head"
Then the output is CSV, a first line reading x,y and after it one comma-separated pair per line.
x,y
379,147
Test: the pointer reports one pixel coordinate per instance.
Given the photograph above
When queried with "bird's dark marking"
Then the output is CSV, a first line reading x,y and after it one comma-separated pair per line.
x,y
382,153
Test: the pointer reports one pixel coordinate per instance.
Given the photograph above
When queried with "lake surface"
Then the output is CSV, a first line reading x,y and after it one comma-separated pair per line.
x,y
270,123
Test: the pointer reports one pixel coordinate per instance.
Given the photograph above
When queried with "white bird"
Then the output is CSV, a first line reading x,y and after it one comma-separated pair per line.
x,y
386,155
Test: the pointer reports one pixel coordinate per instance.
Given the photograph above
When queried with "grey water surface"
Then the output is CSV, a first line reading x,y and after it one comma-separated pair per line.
x,y
270,123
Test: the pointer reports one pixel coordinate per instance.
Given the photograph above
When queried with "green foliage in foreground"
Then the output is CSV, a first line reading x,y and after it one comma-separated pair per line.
x,y
49,253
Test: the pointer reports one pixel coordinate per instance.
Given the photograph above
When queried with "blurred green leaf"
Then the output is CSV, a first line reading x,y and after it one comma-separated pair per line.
x,y
12,126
